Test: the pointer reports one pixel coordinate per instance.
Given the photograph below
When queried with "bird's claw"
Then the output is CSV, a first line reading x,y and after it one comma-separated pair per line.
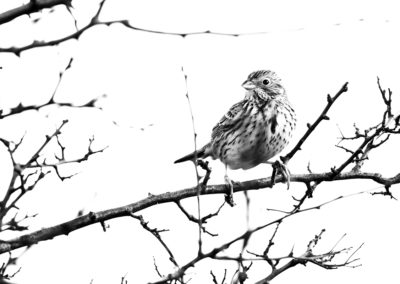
x,y
280,167
229,195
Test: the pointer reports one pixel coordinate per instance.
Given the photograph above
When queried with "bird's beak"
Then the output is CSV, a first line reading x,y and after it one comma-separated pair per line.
x,y
248,85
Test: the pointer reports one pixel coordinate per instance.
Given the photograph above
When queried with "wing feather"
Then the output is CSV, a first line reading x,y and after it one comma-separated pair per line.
x,y
230,119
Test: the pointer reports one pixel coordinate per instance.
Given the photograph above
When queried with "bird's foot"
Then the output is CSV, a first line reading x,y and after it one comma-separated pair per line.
x,y
229,195
279,167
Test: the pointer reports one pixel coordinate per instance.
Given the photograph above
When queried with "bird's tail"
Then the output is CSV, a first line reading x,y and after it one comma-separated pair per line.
x,y
204,152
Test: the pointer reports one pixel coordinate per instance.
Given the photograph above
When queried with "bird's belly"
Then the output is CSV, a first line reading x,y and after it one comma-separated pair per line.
x,y
250,153
256,145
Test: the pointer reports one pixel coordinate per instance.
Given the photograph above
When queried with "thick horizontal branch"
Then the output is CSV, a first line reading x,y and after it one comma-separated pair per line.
x,y
101,216
32,6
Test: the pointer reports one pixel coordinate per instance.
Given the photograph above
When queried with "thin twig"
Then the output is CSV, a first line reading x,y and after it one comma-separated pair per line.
x,y
156,233
311,128
214,252
200,226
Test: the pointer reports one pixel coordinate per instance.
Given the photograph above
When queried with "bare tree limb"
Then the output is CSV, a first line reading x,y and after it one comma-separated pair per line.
x,y
311,127
371,138
32,6
156,233
101,216
307,256
20,108
93,22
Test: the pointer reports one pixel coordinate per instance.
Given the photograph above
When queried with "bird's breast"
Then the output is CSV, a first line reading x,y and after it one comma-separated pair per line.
x,y
263,132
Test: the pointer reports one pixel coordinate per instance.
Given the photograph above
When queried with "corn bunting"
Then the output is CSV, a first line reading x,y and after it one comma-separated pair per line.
x,y
253,130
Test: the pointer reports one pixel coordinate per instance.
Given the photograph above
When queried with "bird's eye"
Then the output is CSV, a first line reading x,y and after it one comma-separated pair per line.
x,y
265,82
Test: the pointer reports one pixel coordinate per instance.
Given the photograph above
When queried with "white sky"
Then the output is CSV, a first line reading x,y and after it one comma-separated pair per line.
x,y
315,46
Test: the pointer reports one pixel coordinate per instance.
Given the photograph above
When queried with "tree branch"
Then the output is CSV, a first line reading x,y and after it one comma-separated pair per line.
x,y
101,216
32,6
51,102
311,127
156,233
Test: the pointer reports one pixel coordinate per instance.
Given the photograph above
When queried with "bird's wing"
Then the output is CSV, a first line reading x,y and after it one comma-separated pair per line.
x,y
230,119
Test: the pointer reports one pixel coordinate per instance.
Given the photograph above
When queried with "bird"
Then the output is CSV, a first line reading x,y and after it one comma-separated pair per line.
x,y
254,130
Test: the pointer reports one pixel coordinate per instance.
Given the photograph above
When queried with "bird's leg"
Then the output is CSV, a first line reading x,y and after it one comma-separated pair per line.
x,y
280,167
273,175
229,183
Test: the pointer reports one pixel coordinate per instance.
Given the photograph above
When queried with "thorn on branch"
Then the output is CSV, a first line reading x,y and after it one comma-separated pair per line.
x,y
387,192
104,226
309,167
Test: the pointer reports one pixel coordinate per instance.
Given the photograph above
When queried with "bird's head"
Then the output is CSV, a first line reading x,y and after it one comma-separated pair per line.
x,y
265,84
